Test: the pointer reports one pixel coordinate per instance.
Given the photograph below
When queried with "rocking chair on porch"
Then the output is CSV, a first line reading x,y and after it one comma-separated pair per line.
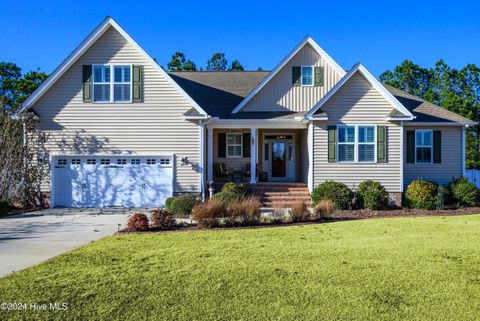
x,y
222,172
247,172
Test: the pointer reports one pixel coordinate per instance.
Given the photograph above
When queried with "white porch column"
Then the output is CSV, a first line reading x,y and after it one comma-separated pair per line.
x,y
201,158
253,155
210,153
310,141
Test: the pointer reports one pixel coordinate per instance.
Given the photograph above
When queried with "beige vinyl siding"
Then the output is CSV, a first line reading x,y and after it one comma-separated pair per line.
x,y
451,165
153,127
357,102
279,94
304,155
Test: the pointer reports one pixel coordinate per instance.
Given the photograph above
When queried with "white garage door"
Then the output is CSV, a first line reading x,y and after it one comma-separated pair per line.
x,y
102,181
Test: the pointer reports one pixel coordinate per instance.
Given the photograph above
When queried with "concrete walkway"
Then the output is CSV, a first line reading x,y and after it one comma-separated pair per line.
x,y
28,239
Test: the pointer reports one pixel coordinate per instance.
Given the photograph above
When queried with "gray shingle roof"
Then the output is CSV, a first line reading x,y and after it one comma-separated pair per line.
x,y
218,93
423,110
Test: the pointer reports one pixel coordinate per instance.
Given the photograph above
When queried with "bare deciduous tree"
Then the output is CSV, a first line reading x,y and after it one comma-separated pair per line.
x,y
21,148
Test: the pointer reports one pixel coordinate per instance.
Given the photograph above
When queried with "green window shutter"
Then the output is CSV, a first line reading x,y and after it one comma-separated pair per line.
x,y
87,83
222,145
296,76
410,146
437,146
332,144
137,84
246,145
381,144
319,76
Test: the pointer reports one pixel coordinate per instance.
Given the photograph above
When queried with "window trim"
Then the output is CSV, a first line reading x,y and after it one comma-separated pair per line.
x,y
423,146
235,145
112,83
356,144
301,75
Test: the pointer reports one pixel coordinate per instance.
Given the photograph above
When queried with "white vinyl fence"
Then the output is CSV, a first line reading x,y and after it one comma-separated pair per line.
x,y
473,176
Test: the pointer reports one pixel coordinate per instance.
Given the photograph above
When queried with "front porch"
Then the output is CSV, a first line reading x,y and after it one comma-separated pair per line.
x,y
252,154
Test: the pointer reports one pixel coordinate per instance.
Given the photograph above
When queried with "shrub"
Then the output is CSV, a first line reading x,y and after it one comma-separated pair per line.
x,y
299,211
4,207
137,222
336,192
463,192
168,202
245,211
162,218
182,204
233,188
324,208
207,214
422,194
372,195
227,197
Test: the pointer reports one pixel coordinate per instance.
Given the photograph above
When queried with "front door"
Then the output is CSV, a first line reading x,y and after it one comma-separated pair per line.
x,y
279,159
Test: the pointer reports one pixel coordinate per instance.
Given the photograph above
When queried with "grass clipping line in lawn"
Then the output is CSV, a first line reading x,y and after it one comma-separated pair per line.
x,y
423,268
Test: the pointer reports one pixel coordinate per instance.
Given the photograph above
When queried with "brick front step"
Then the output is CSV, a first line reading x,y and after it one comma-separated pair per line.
x,y
281,195
281,204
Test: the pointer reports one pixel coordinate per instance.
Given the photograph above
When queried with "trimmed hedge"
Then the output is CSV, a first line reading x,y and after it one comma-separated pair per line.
x,y
422,195
372,195
463,192
181,204
233,188
336,192
138,222
227,197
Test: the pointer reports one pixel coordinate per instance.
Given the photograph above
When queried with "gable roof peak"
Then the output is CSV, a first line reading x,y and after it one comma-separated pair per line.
x,y
358,67
86,44
306,40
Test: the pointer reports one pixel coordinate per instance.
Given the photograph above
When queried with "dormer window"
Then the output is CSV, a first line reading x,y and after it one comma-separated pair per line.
x,y
108,89
307,76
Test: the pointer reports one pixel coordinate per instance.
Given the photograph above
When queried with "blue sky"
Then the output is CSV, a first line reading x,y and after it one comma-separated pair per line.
x,y
258,33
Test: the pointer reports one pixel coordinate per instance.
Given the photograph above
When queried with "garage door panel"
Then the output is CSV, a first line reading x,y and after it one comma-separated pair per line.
x,y
113,181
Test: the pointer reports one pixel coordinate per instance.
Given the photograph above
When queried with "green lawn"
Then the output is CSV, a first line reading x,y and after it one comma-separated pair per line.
x,y
376,269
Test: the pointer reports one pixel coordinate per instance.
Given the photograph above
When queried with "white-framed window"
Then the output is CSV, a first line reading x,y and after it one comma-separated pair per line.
x,y
101,83
91,161
61,161
112,83
306,75
104,161
121,161
423,146
164,161
356,143
122,85
135,161
234,145
76,161
346,143
366,143
151,161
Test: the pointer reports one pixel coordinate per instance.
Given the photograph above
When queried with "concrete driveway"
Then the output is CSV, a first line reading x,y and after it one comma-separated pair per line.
x,y
28,239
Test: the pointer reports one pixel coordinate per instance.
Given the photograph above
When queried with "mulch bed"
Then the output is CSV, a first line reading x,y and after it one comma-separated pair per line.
x,y
343,215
